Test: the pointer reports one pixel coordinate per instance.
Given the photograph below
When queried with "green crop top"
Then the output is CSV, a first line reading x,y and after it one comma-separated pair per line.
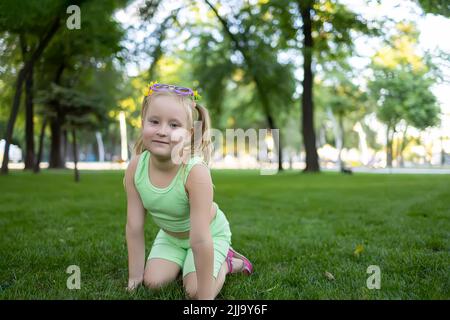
x,y
169,206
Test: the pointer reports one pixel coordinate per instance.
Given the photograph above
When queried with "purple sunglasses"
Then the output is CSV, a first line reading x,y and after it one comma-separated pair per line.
x,y
182,91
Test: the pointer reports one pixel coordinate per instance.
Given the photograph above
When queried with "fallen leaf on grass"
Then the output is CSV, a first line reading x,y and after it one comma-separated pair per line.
x,y
358,250
270,288
329,276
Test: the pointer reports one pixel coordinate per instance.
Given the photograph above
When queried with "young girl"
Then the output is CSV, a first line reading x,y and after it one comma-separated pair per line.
x,y
170,179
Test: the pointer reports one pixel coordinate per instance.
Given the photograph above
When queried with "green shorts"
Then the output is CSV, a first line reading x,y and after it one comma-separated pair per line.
x,y
179,250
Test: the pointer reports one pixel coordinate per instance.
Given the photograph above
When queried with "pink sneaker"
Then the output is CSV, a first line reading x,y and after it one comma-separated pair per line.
x,y
248,267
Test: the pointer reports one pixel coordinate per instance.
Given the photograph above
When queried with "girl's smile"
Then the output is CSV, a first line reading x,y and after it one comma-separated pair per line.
x,y
160,142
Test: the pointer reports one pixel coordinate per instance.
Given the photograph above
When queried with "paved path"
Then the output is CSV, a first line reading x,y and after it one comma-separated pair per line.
x,y
123,166
398,170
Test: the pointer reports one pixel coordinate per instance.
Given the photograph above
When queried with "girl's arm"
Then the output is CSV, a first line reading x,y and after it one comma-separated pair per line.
x,y
134,229
199,187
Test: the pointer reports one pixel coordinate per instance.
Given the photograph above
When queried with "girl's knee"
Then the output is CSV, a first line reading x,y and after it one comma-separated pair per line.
x,y
154,283
159,273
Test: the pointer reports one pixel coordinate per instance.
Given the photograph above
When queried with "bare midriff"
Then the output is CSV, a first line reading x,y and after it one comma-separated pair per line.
x,y
185,234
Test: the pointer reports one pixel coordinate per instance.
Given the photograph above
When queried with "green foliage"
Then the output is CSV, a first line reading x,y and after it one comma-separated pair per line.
x,y
81,109
334,30
32,16
402,81
88,83
405,95
245,56
212,69
441,7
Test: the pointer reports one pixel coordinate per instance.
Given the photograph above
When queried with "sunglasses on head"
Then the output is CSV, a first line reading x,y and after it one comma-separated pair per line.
x,y
160,87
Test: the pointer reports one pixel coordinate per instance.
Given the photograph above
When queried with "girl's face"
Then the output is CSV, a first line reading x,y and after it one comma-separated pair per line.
x,y
164,126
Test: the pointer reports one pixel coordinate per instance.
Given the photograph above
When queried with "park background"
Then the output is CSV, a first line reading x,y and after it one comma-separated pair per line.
x,y
359,91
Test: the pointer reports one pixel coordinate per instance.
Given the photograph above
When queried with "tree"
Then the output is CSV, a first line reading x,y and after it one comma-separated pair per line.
x,y
74,59
272,80
401,86
326,34
14,19
29,112
82,110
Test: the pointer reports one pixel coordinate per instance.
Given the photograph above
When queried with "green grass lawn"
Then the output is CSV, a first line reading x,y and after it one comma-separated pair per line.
x,y
294,227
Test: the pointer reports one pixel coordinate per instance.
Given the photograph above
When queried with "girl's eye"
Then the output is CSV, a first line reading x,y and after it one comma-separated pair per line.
x,y
153,121
174,125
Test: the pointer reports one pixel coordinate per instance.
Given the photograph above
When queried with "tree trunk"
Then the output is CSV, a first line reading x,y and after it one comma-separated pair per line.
x,y
56,152
29,123
112,143
12,119
100,146
280,151
442,151
388,148
402,147
57,155
342,137
276,142
19,83
65,143
41,146
75,156
392,143
309,136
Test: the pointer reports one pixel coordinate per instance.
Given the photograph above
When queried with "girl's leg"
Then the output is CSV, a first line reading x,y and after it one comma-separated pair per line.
x,y
159,272
220,280
221,234
190,280
164,261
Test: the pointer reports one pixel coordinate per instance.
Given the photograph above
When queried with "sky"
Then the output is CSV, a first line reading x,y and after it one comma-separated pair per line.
x,y
432,28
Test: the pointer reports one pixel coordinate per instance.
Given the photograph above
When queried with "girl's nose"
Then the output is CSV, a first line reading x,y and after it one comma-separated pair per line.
x,y
162,131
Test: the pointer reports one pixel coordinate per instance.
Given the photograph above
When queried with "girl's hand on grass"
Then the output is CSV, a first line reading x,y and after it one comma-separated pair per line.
x,y
133,284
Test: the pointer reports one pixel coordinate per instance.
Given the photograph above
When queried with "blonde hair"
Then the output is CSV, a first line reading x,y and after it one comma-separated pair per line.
x,y
202,145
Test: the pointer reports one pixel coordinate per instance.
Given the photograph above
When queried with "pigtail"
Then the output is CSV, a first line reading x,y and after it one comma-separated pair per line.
x,y
202,140
139,144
